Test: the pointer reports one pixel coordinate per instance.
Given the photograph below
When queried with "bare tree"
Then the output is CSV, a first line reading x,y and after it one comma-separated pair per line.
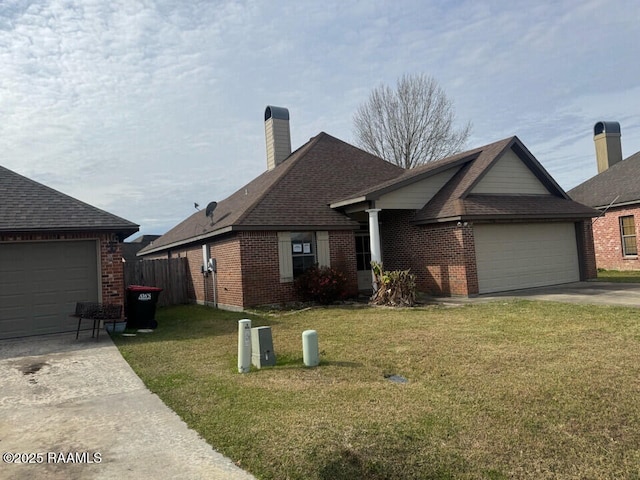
x,y
411,125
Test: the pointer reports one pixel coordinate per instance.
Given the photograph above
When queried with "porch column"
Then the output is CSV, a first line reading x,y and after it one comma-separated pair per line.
x,y
374,240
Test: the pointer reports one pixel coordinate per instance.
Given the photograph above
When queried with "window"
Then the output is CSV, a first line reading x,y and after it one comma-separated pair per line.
x,y
628,235
363,252
298,251
303,252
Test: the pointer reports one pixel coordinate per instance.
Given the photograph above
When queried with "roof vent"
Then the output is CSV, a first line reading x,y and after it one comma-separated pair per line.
x,y
606,136
277,134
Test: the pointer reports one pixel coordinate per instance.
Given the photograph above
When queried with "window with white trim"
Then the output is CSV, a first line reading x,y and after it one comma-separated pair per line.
x,y
628,236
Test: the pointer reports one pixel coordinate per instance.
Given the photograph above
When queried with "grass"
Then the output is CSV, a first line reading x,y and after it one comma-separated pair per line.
x,y
626,276
501,390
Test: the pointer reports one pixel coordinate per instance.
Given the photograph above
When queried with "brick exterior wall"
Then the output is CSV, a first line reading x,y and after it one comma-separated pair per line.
x,y
608,241
342,250
442,256
111,267
195,288
229,292
586,250
260,266
261,270
248,271
112,270
228,255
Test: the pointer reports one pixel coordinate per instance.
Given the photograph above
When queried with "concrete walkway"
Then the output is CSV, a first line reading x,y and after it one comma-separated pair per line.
x,y
594,293
61,395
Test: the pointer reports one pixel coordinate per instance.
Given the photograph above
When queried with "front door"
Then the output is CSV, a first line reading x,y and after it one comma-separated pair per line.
x,y
363,259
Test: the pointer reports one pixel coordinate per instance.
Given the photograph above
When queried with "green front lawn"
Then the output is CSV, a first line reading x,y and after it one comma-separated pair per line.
x,y
626,276
512,389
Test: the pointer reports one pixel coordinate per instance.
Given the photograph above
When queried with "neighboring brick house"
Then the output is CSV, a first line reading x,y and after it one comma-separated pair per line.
x,y
54,251
486,220
615,192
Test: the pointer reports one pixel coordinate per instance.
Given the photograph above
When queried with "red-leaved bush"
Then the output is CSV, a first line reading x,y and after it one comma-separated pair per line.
x,y
323,285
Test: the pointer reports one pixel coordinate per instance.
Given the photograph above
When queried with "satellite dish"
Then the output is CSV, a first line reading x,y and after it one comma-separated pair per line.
x,y
210,208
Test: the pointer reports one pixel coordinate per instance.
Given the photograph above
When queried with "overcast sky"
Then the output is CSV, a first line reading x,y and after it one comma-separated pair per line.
x,y
143,107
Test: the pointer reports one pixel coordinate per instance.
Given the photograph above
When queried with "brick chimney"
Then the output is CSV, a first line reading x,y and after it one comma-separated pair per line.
x,y
606,136
278,136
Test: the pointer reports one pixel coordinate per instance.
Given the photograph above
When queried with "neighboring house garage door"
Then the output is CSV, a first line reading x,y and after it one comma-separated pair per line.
x,y
513,256
40,283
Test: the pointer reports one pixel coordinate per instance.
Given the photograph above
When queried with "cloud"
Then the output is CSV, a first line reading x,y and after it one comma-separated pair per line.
x,y
142,107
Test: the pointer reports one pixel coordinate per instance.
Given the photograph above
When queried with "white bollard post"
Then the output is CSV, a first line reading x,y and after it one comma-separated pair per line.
x,y
310,354
244,345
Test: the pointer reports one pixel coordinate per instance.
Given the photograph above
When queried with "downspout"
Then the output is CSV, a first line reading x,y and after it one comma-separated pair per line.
x,y
205,270
204,282
215,290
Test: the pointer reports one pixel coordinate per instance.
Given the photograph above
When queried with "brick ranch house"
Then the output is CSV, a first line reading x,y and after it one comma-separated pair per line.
x,y
486,220
615,192
54,251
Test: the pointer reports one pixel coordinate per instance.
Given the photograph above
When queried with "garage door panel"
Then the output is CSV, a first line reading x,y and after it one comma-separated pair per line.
x,y
10,279
45,322
46,276
43,286
15,328
40,283
76,274
513,256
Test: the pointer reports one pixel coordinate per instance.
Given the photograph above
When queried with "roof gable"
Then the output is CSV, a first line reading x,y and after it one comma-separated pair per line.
x,y
459,199
617,185
29,206
509,174
415,195
482,160
406,178
491,154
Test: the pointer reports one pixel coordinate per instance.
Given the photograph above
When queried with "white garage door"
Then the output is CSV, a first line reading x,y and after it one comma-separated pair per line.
x,y
40,283
513,256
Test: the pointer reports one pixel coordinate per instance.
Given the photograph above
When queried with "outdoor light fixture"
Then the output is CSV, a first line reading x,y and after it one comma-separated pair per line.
x,y
112,246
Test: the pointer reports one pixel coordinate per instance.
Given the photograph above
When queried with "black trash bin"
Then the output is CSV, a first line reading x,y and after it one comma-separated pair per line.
x,y
141,306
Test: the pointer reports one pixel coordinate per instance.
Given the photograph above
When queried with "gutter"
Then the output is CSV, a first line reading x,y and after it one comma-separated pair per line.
x,y
179,243
229,229
349,201
615,205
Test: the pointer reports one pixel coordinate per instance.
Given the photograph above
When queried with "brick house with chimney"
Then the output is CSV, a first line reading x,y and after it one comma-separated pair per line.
x,y
615,192
486,220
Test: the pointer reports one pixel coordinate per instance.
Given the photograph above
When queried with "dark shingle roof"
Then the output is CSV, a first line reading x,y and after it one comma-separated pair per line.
x,y
29,206
619,184
455,200
325,171
130,249
522,206
321,170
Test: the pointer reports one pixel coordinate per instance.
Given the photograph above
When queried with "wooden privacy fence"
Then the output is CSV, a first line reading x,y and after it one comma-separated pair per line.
x,y
169,274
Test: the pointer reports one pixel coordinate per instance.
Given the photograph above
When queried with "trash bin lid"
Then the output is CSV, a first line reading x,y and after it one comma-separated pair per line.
x,y
142,288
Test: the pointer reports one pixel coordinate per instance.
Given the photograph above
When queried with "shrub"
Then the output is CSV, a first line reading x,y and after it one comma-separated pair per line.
x,y
323,285
396,288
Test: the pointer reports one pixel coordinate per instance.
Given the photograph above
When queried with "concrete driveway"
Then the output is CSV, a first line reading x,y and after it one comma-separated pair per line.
x,y
59,395
596,293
